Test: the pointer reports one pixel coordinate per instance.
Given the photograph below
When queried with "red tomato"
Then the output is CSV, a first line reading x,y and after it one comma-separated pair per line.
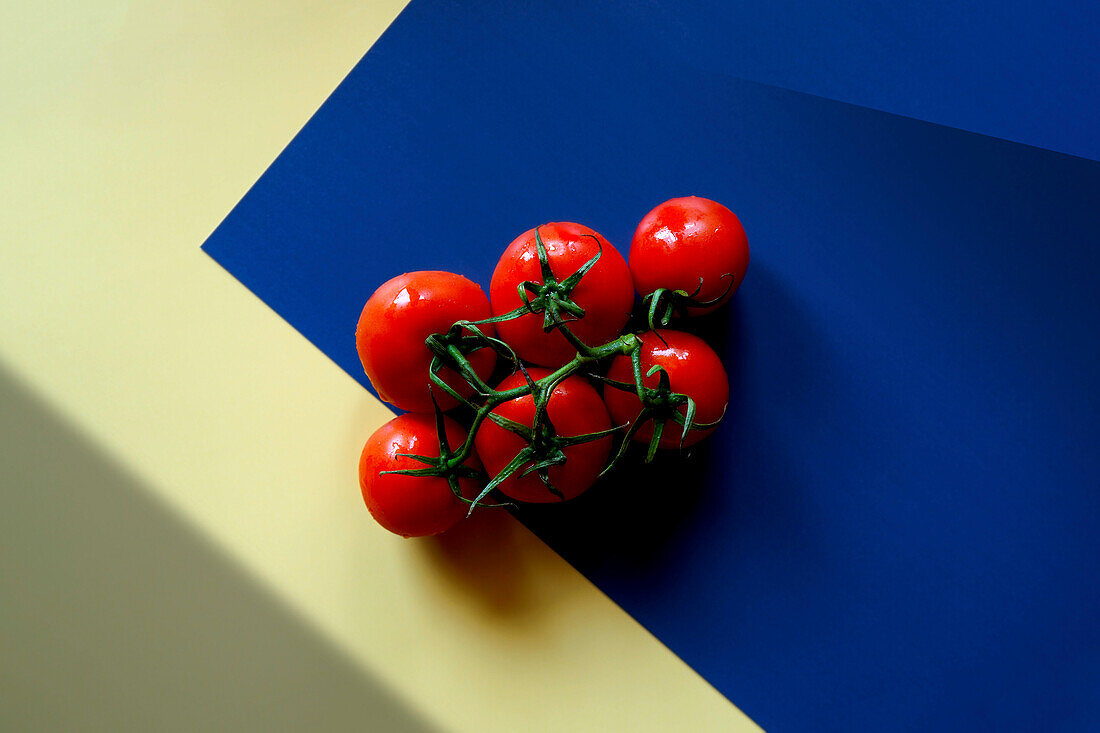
x,y
685,239
693,369
412,506
575,408
606,292
397,319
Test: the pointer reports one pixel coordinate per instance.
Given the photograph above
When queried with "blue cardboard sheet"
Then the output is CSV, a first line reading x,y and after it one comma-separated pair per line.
x,y
895,527
1015,69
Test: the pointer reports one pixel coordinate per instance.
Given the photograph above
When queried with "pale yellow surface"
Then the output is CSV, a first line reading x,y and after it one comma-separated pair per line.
x,y
127,132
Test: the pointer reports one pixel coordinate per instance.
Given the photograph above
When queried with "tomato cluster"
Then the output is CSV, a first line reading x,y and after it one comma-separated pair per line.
x,y
544,382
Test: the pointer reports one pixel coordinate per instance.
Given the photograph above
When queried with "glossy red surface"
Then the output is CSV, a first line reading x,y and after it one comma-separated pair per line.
x,y
397,319
687,239
412,506
693,369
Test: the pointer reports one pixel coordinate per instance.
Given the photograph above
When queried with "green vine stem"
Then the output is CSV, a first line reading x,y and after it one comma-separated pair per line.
x,y
663,304
545,448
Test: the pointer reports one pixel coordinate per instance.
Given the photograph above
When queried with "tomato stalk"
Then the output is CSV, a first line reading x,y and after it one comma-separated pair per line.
x,y
662,304
544,446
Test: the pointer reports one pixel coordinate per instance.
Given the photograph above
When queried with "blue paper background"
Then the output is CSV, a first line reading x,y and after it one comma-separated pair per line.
x,y
1021,70
895,527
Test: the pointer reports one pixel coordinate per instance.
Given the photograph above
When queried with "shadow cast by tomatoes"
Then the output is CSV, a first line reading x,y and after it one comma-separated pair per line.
x,y
626,520
494,564
739,495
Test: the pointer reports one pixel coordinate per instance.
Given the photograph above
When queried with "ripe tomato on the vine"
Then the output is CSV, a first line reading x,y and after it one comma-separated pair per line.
x,y
606,292
574,409
687,241
412,506
693,369
397,319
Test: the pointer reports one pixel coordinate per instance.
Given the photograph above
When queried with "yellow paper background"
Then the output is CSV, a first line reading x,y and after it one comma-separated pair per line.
x,y
184,544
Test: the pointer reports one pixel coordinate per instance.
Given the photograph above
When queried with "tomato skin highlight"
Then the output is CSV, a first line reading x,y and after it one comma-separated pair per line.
x,y
397,319
693,369
685,239
575,408
606,292
412,506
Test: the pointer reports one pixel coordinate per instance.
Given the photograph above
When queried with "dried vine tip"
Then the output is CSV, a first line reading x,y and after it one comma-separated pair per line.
x,y
663,304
